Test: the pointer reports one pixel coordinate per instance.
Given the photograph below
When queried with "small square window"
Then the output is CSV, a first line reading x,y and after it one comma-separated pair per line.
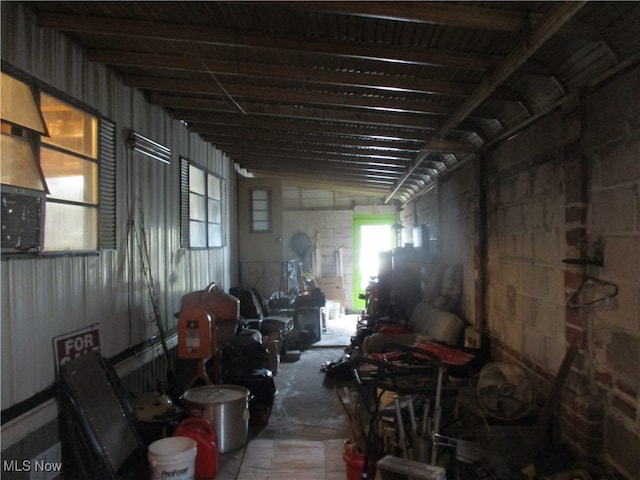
x,y
260,210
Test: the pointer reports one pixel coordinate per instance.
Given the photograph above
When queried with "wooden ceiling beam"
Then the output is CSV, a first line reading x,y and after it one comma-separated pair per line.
x,y
334,184
455,15
219,36
559,15
387,134
348,145
384,82
195,109
359,169
308,148
225,133
394,102
274,163
335,135
344,158
450,14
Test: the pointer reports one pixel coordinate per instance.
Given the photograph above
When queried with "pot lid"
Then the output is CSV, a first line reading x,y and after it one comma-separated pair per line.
x,y
216,394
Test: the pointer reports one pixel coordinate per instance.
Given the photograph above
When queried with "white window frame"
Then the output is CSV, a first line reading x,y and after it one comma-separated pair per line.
x,y
203,207
260,205
101,232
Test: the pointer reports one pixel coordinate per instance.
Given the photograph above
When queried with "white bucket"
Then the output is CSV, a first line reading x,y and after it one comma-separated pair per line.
x,y
174,458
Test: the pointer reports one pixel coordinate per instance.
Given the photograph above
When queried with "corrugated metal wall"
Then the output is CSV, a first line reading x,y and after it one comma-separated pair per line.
x,y
46,297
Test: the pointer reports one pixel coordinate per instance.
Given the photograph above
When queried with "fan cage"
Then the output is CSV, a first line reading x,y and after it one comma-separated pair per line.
x,y
510,445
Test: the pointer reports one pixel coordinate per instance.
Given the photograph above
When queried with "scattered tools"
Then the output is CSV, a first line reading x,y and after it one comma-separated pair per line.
x,y
400,426
355,426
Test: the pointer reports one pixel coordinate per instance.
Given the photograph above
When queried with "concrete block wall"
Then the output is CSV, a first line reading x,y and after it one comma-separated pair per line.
x,y
558,190
458,230
525,238
330,231
611,146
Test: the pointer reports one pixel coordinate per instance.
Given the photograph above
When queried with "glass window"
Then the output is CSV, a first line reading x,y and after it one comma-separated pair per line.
x,y
69,128
69,162
196,180
62,158
204,207
70,227
69,177
260,210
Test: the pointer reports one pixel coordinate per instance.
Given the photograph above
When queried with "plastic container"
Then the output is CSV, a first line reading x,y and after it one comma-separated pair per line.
x,y
354,463
173,457
201,430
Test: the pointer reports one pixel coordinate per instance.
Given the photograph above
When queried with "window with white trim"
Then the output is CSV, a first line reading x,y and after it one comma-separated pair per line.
x,y
260,210
203,207
74,162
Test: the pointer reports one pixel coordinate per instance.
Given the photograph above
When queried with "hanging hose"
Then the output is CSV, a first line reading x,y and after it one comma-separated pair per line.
x,y
145,260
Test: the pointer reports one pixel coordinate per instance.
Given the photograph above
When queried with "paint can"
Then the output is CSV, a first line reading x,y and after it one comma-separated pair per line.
x,y
173,457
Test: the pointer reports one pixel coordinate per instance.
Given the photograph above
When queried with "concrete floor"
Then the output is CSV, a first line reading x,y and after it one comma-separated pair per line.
x,y
306,430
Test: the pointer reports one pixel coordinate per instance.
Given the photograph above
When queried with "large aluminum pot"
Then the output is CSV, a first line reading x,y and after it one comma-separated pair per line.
x,y
226,407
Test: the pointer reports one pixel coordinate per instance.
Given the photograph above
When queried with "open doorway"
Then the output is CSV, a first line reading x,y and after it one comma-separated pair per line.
x,y
372,234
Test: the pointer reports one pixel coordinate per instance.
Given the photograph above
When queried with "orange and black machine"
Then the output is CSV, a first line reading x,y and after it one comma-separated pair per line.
x,y
208,319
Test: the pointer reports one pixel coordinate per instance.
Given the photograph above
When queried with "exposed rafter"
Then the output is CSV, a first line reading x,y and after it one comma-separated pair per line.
x,y
373,97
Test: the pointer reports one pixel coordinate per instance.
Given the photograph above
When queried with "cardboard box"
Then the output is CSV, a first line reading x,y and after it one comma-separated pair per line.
x,y
332,288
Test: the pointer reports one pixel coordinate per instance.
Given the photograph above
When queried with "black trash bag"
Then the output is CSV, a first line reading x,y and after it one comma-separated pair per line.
x,y
338,370
252,304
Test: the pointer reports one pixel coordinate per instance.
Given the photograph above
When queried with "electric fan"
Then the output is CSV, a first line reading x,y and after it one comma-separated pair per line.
x,y
505,391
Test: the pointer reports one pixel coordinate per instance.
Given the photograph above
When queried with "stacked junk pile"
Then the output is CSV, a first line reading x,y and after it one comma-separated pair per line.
x,y
180,432
426,401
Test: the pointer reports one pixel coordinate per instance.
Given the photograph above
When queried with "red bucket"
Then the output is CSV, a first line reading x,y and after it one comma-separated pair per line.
x,y
201,430
354,461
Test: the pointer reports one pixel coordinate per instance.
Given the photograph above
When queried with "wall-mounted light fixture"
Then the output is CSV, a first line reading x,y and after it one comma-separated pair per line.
x,y
149,148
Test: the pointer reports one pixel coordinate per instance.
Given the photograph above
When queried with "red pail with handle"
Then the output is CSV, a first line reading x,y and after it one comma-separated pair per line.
x,y
202,431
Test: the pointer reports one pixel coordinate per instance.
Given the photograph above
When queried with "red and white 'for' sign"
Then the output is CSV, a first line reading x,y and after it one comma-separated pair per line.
x,y
75,344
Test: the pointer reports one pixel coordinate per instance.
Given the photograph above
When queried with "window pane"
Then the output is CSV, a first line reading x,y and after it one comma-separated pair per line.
x,y
19,167
214,211
214,187
215,235
198,234
70,227
197,209
69,127
260,226
196,180
261,216
68,177
261,210
260,194
260,205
